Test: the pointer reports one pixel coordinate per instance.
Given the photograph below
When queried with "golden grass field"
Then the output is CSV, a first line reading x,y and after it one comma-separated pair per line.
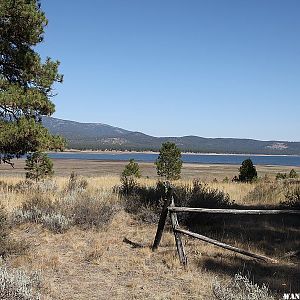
x,y
95,263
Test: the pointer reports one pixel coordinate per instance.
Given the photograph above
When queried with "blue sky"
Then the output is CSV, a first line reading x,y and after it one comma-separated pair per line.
x,y
211,68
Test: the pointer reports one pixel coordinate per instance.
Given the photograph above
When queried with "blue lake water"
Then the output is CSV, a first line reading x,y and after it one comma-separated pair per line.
x,y
187,158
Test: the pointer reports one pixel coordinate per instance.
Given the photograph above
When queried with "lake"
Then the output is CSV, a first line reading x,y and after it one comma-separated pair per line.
x,y
276,160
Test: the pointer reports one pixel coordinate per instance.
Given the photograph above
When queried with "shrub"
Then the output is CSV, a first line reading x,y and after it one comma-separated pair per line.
x,y
42,211
46,186
280,176
16,285
141,210
88,211
264,191
248,171
146,202
3,232
7,244
292,197
38,166
20,187
76,183
225,180
241,288
201,195
293,174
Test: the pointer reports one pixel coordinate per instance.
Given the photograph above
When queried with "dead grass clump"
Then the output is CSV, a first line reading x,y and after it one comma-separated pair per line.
x,y
7,244
15,284
265,193
241,288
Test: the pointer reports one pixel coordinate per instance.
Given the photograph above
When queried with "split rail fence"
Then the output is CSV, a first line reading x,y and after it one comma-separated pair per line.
x,y
170,208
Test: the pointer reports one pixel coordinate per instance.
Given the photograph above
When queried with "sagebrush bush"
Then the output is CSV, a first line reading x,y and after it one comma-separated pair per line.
x,y
46,186
76,183
201,195
146,202
43,211
19,187
7,244
3,232
90,211
265,191
142,211
16,285
241,288
292,197
77,207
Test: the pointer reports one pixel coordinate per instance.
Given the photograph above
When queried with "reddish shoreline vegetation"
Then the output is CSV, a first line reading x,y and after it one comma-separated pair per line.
x,y
67,234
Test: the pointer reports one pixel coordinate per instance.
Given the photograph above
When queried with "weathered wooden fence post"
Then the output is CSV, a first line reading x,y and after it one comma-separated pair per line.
x,y
177,235
163,216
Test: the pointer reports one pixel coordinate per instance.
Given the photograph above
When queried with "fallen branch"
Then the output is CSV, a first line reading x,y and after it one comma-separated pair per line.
x,y
133,244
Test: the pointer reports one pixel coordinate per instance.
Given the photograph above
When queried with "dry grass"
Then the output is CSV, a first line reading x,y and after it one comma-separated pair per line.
x,y
95,263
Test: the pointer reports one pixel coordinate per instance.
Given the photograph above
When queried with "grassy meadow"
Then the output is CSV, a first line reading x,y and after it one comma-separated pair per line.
x,y
65,238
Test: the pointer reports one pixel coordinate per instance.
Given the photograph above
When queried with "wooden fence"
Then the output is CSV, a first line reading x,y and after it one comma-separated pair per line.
x,y
170,208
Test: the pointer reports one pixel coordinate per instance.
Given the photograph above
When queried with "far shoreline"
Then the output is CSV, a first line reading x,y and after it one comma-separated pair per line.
x,y
157,152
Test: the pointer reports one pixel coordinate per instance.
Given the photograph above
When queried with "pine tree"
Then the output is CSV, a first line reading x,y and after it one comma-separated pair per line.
x,y
169,163
25,81
247,171
129,175
38,166
293,174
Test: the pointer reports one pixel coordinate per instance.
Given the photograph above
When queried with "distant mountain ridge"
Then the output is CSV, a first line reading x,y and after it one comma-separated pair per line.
x,y
97,136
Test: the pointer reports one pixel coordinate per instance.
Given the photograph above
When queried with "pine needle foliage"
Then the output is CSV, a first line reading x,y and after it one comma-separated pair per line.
x,y
169,163
38,166
26,82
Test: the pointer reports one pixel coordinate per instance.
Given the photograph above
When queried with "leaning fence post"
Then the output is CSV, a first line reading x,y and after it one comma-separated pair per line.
x,y
177,235
163,217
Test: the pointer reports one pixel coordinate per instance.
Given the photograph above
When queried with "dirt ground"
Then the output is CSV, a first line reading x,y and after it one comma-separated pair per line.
x,y
93,168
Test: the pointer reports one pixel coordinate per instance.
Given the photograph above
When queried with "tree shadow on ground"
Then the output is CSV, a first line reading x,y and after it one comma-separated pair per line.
x,y
277,236
279,278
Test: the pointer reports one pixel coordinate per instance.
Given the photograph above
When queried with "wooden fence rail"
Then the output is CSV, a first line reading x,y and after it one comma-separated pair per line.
x,y
235,211
169,207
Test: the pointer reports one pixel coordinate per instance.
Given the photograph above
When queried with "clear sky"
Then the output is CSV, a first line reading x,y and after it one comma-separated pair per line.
x,y
211,68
